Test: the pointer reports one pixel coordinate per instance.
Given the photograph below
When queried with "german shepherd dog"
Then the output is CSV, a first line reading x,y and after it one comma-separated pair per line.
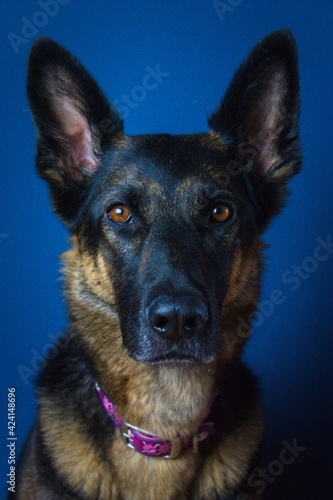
x,y
147,398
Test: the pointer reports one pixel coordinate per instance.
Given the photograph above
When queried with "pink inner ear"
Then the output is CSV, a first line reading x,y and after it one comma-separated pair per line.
x,y
80,141
81,152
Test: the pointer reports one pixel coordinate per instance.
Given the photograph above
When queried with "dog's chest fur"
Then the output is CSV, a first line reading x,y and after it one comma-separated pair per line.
x,y
117,472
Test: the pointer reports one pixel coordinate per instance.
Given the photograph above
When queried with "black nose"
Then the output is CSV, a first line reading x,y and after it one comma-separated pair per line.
x,y
176,318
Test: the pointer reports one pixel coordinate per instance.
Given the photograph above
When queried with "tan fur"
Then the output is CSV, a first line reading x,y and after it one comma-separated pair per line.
x,y
213,141
78,461
140,386
212,476
127,474
139,392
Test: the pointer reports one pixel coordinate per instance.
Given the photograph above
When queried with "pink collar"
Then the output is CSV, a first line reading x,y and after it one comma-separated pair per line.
x,y
149,444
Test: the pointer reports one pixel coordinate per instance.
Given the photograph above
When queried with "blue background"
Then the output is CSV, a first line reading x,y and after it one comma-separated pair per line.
x,y
291,348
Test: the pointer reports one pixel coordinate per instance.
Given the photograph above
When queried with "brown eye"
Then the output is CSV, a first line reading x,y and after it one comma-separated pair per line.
x,y
221,212
119,213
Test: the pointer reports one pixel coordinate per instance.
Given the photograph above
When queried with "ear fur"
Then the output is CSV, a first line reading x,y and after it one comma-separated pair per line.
x,y
75,122
259,117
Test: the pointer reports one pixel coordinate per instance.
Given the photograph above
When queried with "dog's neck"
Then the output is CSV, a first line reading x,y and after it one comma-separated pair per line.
x,y
151,445
170,401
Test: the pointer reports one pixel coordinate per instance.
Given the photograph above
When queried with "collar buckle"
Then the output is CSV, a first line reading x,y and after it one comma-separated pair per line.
x,y
127,432
125,435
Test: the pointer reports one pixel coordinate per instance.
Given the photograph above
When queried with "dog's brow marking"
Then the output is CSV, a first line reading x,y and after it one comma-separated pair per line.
x,y
200,192
134,177
122,171
153,188
186,184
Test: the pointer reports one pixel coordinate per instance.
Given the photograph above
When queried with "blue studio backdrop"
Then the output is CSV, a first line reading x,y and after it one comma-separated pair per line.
x,y
196,45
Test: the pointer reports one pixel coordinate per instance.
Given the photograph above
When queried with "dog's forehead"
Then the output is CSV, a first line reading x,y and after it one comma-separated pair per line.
x,y
180,154
166,159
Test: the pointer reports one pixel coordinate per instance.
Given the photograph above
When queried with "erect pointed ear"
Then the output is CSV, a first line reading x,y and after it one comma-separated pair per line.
x,y
259,114
75,123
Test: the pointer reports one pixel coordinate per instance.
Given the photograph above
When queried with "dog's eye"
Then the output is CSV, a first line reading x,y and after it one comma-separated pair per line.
x,y
221,212
119,213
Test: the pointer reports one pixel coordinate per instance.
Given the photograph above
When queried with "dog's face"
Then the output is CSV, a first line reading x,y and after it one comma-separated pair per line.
x,y
169,226
176,218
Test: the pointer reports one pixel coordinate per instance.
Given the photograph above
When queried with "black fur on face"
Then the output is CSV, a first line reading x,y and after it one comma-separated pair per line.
x,y
171,244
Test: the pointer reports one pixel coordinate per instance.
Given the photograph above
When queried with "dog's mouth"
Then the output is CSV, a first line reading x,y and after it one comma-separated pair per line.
x,y
171,360
173,357
193,344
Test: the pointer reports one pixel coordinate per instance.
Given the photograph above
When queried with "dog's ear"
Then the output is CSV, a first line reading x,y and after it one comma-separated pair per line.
x,y
75,123
259,116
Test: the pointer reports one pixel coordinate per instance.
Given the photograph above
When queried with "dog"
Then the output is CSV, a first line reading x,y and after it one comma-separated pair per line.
x,y
148,397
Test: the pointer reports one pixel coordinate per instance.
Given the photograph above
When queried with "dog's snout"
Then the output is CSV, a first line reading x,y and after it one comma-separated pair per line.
x,y
176,318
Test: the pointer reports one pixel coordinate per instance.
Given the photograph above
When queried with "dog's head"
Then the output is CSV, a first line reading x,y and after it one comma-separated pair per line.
x,y
168,225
